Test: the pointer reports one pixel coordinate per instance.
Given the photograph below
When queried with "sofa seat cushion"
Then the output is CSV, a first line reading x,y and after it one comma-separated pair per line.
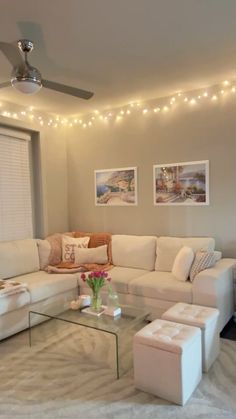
x,y
13,302
162,286
42,285
121,277
134,251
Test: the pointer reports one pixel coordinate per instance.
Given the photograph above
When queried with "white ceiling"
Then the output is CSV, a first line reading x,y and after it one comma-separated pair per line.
x,y
122,50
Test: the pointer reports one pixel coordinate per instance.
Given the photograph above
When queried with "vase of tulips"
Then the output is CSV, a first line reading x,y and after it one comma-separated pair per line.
x,y
96,280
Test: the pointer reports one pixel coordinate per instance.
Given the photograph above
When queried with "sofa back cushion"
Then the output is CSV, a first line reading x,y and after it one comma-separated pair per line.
x,y
168,247
134,251
18,257
44,249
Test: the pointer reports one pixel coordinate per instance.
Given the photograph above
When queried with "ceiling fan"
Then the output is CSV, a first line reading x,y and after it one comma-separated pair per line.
x,y
26,78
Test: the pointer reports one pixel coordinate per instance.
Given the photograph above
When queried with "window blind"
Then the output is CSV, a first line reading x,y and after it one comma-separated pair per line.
x,y
16,220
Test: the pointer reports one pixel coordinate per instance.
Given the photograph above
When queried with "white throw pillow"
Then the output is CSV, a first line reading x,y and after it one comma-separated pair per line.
x,y
92,255
182,263
69,244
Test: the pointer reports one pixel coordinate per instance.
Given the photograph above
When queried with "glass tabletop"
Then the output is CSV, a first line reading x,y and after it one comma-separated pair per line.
x,y
129,317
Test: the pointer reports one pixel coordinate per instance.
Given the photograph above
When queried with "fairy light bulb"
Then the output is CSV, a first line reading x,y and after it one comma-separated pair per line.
x,y
156,110
214,98
145,111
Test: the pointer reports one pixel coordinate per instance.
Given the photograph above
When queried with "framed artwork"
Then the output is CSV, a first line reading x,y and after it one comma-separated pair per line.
x,y
181,183
116,187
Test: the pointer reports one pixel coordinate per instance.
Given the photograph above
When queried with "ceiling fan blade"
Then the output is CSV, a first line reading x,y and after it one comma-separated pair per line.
x,y
68,90
5,84
12,53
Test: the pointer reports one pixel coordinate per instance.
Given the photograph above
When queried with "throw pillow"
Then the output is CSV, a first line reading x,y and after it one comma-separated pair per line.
x,y
93,255
96,240
69,244
203,260
55,241
182,263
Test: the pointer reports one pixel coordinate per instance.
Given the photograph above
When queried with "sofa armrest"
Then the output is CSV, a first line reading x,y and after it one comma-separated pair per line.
x,y
213,287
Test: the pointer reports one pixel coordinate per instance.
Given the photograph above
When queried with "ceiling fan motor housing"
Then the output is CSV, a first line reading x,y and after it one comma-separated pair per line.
x,y
27,79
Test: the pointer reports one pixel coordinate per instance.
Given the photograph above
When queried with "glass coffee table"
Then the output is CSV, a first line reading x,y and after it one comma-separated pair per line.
x,y
130,317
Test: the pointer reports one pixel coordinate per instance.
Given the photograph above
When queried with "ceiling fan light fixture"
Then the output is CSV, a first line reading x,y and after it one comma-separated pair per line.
x,y
27,86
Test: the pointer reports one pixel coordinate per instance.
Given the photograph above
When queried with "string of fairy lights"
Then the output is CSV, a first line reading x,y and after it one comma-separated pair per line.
x,y
154,107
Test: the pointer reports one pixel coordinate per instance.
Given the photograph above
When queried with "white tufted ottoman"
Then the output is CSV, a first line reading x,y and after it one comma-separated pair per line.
x,y
167,360
204,317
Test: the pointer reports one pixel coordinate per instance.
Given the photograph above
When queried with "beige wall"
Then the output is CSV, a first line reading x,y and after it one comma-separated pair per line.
x,y
49,150
203,133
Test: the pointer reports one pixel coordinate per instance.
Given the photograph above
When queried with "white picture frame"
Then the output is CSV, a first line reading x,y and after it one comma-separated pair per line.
x,y
116,187
185,183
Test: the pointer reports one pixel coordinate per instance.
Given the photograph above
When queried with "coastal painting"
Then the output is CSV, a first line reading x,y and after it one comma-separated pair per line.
x,y
116,187
181,183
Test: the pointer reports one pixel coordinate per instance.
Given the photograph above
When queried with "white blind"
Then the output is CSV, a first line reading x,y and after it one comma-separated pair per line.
x,y
15,188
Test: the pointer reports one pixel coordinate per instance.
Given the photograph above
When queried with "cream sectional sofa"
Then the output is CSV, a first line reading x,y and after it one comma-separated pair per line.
x,y
141,276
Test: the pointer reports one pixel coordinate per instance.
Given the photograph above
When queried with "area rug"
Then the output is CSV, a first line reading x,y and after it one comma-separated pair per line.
x,y
69,372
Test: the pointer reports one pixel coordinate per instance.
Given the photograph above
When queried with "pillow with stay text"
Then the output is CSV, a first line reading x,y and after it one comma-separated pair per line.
x,y
69,244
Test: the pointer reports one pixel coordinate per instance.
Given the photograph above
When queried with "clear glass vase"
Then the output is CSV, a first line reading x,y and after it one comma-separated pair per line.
x,y
112,301
96,302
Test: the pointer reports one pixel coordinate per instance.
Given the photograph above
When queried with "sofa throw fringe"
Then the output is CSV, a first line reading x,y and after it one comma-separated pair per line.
x,y
11,287
68,267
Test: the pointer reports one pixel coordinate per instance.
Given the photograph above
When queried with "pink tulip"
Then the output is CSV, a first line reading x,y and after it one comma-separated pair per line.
x,y
83,277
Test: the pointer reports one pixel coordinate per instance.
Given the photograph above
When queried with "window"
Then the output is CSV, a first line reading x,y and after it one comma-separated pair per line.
x,y
16,215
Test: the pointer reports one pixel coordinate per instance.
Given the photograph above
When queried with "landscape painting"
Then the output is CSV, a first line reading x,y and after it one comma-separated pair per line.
x,y
116,186
181,183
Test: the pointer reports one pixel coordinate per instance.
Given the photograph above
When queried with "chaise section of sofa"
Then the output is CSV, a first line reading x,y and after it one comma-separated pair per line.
x,y
19,260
